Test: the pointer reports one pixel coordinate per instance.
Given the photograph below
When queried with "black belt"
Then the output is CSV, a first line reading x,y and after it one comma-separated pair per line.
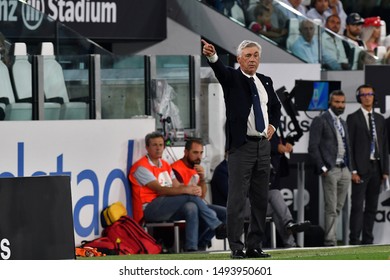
x,y
255,138
340,165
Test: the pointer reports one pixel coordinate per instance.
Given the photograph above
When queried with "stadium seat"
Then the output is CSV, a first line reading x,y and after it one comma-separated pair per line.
x,y
293,32
176,230
23,86
383,33
380,52
13,111
55,87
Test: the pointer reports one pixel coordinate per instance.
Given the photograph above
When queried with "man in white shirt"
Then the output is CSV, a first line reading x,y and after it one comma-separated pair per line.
x,y
334,57
336,8
297,5
306,46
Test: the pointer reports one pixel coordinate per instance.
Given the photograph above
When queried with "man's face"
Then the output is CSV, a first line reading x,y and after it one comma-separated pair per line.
x,y
307,30
194,155
337,104
249,60
366,96
295,3
354,29
321,6
155,148
333,23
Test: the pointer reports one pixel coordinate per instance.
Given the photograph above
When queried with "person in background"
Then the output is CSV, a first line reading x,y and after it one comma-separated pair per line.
x,y
263,25
252,117
386,58
330,151
371,33
369,163
268,6
277,207
306,46
4,51
295,4
353,29
319,10
386,43
336,8
334,57
353,43
297,11
219,183
158,196
4,57
189,171
365,58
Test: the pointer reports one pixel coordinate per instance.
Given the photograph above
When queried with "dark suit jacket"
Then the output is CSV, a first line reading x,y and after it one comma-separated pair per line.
x,y
279,162
360,142
238,102
323,142
219,184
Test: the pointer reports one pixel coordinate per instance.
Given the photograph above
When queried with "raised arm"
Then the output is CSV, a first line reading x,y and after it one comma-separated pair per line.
x,y
208,49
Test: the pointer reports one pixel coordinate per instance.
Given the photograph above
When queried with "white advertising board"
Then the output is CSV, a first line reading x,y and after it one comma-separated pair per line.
x,y
94,153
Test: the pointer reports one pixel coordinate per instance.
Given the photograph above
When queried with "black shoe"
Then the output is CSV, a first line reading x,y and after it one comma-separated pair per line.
x,y
191,250
298,227
294,245
237,254
203,247
355,242
256,253
220,232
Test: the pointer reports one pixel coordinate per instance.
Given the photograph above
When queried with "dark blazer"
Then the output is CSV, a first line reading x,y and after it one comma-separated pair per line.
x,y
219,184
323,142
238,102
360,142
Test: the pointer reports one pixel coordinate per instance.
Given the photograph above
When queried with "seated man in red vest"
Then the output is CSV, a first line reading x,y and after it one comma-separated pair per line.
x,y
158,196
189,172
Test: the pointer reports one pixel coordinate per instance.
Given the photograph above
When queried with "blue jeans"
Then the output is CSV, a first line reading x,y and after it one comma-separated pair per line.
x,y
182,207
205,232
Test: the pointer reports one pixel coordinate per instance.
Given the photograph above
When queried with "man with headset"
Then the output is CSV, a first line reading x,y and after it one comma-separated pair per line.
x,y
330,150
369,162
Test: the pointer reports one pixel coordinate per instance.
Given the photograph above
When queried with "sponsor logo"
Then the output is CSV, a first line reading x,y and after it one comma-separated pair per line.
x,y
386,202
5,251
383,216
87,177
32,14
64,11
82,11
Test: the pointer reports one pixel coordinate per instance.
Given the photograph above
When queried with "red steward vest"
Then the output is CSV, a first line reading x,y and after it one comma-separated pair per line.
x,y
143,194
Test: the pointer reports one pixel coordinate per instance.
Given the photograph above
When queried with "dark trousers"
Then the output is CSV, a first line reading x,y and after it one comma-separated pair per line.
x,y
364,203
249,168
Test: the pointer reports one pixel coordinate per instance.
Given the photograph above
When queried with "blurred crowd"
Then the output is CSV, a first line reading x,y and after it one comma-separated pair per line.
x,y
353,33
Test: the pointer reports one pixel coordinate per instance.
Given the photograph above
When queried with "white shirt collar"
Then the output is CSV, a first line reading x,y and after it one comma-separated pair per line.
x,y
152,163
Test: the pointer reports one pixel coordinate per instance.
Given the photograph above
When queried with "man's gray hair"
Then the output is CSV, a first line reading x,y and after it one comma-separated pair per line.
x,y
248,44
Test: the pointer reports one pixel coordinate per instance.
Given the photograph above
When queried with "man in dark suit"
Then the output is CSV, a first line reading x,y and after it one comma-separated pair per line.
x,y
370,164
330,149
277,207
252,116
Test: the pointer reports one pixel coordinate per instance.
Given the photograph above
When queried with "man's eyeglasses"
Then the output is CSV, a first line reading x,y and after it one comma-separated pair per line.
x,y
366,94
